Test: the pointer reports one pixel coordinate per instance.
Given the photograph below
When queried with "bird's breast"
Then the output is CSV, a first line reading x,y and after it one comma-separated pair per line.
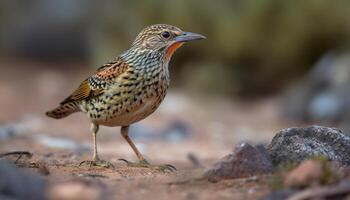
x,y
126,115
129,100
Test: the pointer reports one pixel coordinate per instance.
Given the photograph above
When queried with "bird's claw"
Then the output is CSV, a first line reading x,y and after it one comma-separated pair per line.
x,y
97,163
145,164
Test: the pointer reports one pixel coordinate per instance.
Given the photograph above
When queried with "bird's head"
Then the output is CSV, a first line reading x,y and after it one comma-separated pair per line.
x,y
163,38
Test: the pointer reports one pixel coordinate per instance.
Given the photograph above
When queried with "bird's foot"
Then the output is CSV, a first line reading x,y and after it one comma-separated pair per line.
x,y
97,163
145,164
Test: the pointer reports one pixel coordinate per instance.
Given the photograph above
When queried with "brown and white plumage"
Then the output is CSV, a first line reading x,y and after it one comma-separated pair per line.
x,y
132,86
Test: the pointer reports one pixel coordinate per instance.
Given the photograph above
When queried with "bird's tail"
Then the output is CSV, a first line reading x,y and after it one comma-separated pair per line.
x,y
63,110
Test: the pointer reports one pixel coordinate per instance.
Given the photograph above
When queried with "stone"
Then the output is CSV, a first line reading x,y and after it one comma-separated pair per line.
x,y
335,191
339,191
245,161
281,194
19,184
323,94
29,123
62,143
297,144
176,131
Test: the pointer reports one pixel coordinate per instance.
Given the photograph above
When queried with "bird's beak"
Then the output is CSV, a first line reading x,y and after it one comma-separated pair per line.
x,y
188,36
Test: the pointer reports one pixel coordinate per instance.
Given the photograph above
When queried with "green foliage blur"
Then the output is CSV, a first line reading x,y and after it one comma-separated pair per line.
x,y
253,47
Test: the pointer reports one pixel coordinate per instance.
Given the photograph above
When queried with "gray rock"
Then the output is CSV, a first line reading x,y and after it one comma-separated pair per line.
x,y
7,132
329,106
29,123
338,191
18,184
246,160
62,143
280,194
322,95
175,132
297,144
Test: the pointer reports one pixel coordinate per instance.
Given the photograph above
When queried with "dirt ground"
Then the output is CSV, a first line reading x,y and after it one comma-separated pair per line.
x,y
209,128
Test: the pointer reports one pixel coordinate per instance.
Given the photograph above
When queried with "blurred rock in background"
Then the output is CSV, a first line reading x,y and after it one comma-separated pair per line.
x,y
322,95
17,183
175,132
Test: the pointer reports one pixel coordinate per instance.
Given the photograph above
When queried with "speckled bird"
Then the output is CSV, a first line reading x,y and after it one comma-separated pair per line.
x,y
129,88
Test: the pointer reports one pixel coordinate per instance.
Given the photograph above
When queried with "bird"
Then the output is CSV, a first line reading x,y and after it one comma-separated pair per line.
x,y
128,88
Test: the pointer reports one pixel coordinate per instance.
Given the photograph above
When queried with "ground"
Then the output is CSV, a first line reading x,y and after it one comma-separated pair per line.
x,y
185,126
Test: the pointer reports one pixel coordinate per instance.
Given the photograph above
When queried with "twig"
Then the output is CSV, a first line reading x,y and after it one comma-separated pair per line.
x,y
19,153
322,191
195,161
26,153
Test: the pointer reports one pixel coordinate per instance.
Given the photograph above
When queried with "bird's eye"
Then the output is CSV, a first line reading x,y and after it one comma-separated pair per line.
x,y
166,34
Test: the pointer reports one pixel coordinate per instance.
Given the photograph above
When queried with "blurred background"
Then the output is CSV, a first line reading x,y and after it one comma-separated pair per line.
x,y
266,65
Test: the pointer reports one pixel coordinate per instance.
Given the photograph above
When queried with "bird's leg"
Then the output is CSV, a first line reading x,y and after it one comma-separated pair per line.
x,y
96,161
94,130
125,134
142,161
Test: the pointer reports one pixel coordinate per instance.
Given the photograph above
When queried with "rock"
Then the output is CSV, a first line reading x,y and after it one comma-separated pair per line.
x,y
246,160
62,143
336,191
280,194
323,94
19,184
308,173
75,190
328,106
7,132
297,144
175,132
28,123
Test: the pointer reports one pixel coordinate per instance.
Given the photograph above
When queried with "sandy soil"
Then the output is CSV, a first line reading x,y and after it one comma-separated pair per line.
x,y
213,127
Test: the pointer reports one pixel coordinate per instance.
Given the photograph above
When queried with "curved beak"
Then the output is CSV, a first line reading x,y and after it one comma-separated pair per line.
x,y
188,36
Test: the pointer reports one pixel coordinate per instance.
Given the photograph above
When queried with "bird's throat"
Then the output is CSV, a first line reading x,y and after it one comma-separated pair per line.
x,y
171,50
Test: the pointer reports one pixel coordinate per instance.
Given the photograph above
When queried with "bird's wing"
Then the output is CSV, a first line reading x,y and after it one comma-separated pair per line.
x,y
96,83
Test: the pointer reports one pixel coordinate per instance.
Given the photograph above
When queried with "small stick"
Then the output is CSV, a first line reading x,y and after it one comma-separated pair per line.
x,y
195,161
19,153
321,192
